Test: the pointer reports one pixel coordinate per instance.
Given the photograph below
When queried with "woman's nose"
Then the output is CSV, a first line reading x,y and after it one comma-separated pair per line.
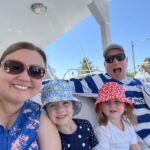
x,y
24,75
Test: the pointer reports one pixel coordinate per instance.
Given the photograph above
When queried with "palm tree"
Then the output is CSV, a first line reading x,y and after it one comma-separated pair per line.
x,y
87,68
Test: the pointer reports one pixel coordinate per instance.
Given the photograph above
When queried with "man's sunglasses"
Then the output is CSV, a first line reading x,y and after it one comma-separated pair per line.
x,y
17,67
119,57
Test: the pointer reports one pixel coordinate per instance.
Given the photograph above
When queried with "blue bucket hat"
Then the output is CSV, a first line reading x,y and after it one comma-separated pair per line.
x,y
58,91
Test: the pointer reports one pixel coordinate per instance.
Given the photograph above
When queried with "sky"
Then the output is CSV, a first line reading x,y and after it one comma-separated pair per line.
x,y
129,21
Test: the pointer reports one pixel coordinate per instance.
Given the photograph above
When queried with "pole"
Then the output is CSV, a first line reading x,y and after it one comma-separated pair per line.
x,y
134,66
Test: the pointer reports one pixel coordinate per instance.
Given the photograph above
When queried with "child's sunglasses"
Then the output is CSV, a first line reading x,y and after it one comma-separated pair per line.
x,y
17,67
119,57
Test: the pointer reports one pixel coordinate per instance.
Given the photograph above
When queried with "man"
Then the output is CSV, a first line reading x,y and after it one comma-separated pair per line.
x,y
115,64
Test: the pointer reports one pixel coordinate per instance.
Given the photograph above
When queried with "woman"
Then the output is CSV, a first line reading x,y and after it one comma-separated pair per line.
x,y
22,126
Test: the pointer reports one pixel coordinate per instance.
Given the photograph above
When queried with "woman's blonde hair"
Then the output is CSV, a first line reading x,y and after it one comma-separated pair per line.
x,y
128,115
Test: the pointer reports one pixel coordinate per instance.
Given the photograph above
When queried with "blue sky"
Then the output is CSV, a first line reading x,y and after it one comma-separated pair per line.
x,y
129,21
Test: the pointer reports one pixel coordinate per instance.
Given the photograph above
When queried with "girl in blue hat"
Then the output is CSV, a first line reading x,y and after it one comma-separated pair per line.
x,y
61,106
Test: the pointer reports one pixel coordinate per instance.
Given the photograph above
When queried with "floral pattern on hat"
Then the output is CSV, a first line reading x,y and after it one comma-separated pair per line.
x,y
58,91
110,91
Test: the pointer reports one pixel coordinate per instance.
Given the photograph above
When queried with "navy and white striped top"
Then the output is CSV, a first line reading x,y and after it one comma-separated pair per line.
x,y
135,89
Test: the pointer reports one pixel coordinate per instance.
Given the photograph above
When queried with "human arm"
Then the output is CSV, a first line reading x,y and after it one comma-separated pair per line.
x,y
48,136
147,67
146,94
87,86
134,143
135,147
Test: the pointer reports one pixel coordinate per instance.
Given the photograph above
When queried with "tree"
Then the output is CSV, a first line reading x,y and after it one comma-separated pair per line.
x,y
87,68
131,74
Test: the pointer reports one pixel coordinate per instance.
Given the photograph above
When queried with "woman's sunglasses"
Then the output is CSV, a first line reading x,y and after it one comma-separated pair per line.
x,y
119,57
17,67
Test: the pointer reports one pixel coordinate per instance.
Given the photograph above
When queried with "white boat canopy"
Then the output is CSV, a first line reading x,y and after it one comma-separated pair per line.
x,y
20,23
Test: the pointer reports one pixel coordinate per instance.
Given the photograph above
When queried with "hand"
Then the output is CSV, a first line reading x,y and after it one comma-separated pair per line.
x,y
146,66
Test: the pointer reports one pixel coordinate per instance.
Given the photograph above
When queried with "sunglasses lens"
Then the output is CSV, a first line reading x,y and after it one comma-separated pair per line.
x,y
120,57
36,72
16,67
109,59
13,67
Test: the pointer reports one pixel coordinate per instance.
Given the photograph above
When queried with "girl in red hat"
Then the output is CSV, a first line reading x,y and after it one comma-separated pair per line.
x,y
116,119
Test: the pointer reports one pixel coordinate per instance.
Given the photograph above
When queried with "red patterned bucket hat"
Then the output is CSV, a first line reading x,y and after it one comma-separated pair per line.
x,y
110,91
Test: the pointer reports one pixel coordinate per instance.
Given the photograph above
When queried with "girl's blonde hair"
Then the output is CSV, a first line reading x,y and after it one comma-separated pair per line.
x,y
128,115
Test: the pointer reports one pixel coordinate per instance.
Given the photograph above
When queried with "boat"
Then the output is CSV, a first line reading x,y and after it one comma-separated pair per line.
x,y
42,22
